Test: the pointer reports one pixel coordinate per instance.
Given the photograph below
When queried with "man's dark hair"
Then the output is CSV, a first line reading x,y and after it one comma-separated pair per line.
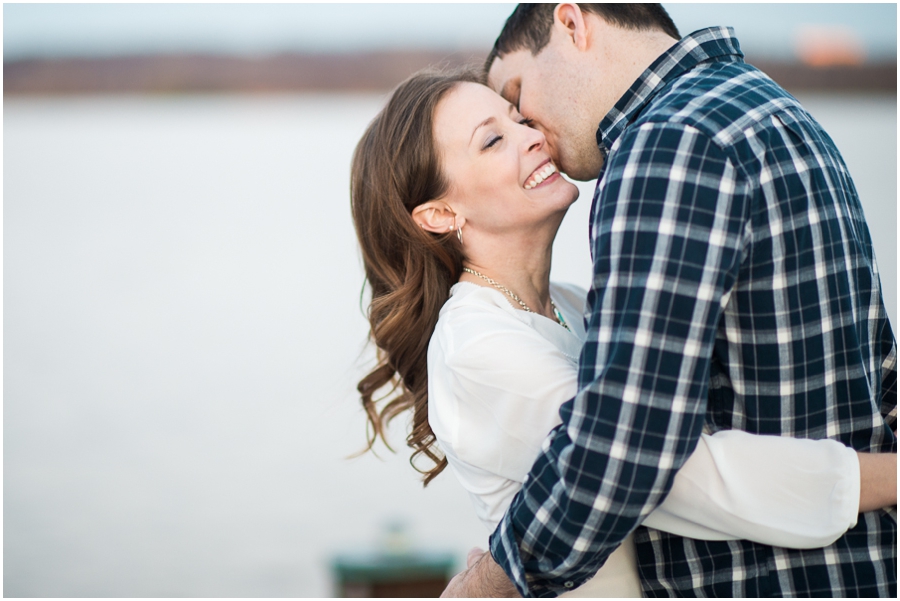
x,y
528,27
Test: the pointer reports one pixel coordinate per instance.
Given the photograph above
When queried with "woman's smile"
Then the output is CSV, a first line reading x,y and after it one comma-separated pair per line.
x,y
492,156
542,175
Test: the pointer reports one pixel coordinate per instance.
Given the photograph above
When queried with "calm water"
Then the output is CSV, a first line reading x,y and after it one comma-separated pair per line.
x,y
183,335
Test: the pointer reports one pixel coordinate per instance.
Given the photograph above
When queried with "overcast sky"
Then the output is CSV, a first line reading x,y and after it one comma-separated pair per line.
x,y
33,30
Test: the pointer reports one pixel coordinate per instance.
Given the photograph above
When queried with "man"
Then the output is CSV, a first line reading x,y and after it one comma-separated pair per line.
x,y
735,287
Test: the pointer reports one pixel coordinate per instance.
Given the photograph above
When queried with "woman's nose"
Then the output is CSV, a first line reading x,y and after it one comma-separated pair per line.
x,y
535,139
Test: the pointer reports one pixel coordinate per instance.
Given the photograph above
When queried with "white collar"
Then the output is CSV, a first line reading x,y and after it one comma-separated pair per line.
x,y
569,343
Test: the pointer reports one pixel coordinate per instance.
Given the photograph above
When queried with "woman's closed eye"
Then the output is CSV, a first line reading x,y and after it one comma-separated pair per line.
x,y
492,141
523,121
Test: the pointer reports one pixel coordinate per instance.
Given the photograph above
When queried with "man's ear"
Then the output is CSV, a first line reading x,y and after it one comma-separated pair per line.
x,y
437,217
570,18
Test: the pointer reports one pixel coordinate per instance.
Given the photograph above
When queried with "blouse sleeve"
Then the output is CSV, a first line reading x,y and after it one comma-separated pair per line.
x,y
775,490
507,385
494,400
510,383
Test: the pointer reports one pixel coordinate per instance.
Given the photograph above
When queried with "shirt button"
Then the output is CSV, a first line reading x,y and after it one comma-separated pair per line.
x,y
569,584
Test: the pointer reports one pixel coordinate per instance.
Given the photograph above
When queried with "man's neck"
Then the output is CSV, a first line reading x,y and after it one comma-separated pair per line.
x,y
621,56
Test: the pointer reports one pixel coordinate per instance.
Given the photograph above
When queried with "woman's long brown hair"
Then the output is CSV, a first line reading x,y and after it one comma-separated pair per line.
x,y
396,167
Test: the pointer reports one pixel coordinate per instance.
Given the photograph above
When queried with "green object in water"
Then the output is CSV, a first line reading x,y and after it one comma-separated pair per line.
x,y
384,567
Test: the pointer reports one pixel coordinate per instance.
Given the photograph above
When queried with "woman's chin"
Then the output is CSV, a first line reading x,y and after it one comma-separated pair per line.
x,y
568,192
574,190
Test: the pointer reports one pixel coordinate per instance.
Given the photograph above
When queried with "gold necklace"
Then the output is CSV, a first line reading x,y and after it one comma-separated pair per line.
x,y
515,297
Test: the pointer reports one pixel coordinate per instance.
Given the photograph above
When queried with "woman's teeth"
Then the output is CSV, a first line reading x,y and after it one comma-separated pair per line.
x,y
548,170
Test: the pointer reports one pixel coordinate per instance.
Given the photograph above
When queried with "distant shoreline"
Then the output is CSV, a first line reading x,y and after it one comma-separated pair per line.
x,y
371,71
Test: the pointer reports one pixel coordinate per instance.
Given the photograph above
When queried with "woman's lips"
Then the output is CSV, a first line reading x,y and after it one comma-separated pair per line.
x,y
542,174
550,179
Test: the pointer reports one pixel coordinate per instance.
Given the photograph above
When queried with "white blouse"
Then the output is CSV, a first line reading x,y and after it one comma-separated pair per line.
x,y
496,378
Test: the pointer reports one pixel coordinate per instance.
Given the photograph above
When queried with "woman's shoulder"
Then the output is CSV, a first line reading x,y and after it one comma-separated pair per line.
x,y
477,320
473,312
470,301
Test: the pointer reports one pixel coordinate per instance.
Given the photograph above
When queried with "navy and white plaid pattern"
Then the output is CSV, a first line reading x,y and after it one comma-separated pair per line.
x,y
735,287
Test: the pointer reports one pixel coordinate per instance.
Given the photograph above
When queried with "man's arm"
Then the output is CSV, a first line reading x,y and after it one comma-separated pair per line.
x,y
485,578
667,240
482,578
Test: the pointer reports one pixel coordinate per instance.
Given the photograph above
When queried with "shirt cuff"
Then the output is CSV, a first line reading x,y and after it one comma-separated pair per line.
x,y
505,551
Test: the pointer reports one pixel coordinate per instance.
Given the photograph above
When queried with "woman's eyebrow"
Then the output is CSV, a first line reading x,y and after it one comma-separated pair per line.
x,y
490,120
487,121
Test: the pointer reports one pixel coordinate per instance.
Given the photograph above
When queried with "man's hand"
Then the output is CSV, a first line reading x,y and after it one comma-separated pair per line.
x,y
482,578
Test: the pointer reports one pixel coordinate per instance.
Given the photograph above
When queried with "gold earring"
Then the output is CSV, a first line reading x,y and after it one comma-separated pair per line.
x,y
459,234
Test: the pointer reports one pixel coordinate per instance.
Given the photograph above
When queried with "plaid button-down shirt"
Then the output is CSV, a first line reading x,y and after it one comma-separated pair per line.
x,y
734,287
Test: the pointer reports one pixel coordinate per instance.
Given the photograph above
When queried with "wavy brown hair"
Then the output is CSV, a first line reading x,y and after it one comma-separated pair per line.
x,y
396,167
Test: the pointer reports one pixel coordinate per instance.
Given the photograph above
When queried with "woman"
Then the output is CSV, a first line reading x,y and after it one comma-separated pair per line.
x,y
456,203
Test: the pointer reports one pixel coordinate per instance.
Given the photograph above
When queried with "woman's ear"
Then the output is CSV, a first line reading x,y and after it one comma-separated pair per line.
x,y
437,217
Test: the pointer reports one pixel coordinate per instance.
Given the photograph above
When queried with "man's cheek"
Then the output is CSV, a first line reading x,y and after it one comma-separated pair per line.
x,y
554,152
